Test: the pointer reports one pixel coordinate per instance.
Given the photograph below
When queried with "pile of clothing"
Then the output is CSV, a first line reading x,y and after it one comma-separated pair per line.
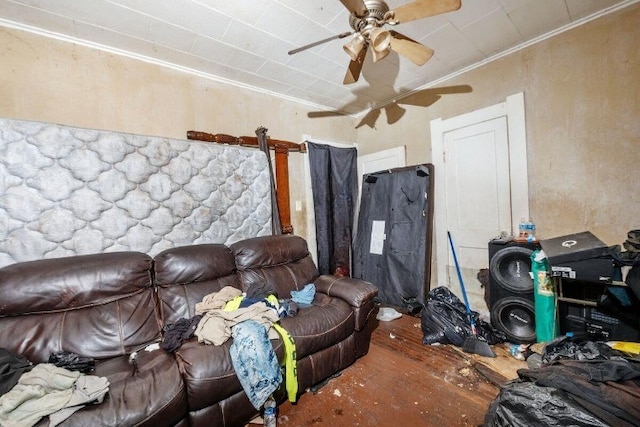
x,y
54,390
251,319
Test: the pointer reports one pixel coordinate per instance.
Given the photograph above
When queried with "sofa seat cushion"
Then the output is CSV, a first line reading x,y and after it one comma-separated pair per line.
x,y
151,394
208,371
326,322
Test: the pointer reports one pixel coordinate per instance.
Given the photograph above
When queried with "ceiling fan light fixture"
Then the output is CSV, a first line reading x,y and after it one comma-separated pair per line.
x,y
380,39
354,47
380,43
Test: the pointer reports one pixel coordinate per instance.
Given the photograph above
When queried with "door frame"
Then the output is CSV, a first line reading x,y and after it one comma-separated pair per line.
x,y
513,109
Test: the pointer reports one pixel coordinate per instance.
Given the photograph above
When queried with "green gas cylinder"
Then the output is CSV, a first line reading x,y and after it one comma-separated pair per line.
x,y
544,298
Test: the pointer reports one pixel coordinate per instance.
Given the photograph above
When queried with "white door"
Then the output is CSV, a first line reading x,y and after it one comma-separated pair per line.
x,y
381,160
481,188
477,192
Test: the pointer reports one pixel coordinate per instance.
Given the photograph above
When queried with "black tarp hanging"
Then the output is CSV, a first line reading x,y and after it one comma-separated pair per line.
x,y
392,248
334,185
276,226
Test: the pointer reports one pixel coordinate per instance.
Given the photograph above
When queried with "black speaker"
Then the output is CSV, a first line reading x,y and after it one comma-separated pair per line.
x,y
511,289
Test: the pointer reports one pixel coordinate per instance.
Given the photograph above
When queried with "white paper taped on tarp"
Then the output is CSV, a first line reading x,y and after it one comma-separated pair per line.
x,y
377,237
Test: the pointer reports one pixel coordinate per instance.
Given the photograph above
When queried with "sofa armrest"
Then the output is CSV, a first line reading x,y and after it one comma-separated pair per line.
x,y
360,295
356,292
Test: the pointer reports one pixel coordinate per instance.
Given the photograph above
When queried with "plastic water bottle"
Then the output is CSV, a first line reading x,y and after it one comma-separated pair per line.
x,y
270,412
531,230
516,350
522,229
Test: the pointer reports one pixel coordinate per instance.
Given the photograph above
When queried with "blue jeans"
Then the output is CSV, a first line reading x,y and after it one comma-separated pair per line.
x,y
255,361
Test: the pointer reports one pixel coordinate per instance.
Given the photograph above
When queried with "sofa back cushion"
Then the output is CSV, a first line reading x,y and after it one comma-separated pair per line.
x,y
185,275
97,306
281,261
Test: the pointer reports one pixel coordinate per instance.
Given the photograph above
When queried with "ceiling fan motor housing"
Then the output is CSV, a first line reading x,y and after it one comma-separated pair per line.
x,y
375,17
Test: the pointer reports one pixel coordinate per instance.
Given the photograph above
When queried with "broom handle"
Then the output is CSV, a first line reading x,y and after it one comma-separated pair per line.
x,y
464,292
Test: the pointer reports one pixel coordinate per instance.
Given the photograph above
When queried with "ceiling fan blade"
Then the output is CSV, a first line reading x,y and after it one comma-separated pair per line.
x,y
355,6
370,119
423,9
411,49
394,112
428,97
321,114
354,69
319,42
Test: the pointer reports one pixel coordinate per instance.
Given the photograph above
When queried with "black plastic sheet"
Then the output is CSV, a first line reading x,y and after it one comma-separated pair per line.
x,y
524,404
392,247
335,186
72,361
581,383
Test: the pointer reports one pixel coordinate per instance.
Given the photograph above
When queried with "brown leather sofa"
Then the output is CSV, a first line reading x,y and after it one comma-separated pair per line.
x,y
108,306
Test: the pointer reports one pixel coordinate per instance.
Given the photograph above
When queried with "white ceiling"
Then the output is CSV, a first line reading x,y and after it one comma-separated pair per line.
x,y
245,42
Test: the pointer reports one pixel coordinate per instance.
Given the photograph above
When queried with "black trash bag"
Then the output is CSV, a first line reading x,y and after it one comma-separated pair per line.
x,y
442,323
72,361
570,392
444,320
524,404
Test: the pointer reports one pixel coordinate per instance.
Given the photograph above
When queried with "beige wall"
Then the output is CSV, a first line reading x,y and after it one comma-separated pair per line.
x,y
582,102
582,99
48,80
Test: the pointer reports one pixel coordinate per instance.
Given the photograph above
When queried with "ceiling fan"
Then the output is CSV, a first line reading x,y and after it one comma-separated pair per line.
x,y
369,19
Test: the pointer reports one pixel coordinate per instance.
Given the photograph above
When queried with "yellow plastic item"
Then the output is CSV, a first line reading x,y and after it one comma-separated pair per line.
x,y
626,346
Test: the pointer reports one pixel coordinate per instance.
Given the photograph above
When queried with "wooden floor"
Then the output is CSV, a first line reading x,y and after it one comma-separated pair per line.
x,y
402,382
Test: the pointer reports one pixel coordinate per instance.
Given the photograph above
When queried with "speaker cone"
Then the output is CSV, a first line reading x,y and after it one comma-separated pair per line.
x,y
516,318
510,269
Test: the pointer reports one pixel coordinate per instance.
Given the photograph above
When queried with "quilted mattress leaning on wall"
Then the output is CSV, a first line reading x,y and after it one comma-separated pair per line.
x,y
68,191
